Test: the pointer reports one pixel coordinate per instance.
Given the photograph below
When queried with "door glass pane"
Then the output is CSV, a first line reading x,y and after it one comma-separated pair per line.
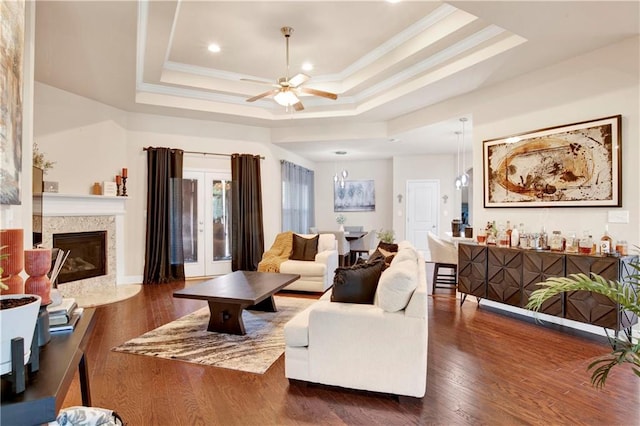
x,y
221,220
190,220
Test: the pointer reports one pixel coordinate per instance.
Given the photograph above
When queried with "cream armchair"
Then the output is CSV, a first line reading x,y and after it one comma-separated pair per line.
x,y
316,276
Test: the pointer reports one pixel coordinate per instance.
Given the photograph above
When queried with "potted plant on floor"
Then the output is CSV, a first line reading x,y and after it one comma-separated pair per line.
x,y
626,294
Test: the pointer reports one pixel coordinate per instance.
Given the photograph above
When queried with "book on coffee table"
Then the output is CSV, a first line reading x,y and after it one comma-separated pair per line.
x,y
69,325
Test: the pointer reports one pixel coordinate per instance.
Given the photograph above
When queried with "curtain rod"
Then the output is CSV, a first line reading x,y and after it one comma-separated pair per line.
x,y
204,153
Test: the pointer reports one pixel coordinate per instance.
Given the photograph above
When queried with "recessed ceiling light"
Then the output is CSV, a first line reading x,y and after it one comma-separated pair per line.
x,y
393,1
307,66
213,48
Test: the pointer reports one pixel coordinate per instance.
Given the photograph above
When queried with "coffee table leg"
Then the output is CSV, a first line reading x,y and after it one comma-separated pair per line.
x,y
226,318
267,305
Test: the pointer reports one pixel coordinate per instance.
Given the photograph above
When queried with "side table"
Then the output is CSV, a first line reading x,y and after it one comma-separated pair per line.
x,y
47,388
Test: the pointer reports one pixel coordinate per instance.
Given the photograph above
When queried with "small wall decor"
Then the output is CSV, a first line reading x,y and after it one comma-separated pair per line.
x,y
575,165
354,196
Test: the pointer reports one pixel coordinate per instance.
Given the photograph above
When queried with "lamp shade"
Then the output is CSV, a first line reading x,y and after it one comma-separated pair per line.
x,y
286,98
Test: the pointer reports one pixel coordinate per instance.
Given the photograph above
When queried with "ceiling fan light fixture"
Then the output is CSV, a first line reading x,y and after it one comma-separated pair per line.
x,y
286,98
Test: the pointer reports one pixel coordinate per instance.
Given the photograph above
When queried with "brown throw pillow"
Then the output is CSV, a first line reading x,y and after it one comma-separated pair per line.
x,y
304,248
393,248
382,255
356,284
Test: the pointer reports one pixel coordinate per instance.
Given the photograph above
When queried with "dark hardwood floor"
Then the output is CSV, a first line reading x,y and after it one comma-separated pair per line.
x,y
483,368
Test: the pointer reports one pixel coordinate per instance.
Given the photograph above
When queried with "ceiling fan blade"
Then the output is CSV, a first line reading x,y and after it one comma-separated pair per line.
x,y
263,95
298,79
316,92
298,106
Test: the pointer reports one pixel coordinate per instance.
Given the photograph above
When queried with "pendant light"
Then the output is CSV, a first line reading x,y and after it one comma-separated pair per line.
x,y
464,177
458,181
344,174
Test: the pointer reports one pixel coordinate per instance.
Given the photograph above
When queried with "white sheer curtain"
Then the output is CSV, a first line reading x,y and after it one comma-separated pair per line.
x,y
298,213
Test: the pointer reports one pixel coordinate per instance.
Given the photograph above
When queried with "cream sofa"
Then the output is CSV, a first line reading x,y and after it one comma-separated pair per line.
x,y
316,276
380,347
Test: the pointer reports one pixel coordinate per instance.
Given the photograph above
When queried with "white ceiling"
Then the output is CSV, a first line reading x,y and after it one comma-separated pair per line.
x,y
383,60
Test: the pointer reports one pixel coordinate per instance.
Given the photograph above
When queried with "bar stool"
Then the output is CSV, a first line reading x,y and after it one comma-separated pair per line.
x,y
445,259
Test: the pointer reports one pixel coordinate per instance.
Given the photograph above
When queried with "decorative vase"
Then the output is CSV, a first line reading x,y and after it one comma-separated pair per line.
x,y
37,263
13,263
18,321
341,229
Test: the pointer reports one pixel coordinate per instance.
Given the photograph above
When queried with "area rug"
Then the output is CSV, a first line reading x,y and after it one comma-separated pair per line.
x,y
187,339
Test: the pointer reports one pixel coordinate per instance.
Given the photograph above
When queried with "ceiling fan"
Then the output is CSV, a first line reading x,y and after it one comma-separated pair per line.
x,y
287,89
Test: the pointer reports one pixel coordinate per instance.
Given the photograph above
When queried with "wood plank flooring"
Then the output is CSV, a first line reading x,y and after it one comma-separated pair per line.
x,y
483,368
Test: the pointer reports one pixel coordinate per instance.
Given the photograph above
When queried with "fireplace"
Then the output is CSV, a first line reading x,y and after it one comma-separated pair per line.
x,y
87,257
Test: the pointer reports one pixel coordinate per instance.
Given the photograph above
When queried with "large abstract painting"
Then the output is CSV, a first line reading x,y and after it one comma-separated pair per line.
x,y
573,165
354,196
11,48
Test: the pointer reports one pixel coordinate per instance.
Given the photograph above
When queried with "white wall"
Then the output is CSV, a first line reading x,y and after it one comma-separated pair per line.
x,y
598,84
379,171
91,142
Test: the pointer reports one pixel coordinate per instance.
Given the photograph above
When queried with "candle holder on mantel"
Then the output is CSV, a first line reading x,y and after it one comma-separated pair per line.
x,y
118,189
124,186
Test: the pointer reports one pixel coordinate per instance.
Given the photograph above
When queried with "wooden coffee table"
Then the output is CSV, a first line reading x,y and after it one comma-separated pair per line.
x,y
230,294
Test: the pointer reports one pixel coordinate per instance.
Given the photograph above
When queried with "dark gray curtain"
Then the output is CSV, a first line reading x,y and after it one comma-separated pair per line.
x,y
297,198
164,256
247,235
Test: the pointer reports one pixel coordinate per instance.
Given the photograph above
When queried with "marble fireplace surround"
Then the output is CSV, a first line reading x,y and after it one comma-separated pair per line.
x,y
63,213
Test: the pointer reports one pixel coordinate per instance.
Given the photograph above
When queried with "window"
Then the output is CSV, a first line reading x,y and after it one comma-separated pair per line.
x,y
297,198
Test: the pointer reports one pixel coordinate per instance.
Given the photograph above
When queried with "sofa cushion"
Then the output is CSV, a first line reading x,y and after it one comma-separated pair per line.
x,y
356,284
381,254
405,253
396,285
304,248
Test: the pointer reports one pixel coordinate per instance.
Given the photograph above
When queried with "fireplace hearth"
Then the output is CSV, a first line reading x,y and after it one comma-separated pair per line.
x,y
87,257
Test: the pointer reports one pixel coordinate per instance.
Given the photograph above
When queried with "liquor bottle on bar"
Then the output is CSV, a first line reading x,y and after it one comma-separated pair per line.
x,y
509,231
606,242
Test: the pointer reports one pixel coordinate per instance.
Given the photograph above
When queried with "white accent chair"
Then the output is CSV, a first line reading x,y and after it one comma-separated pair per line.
x,y
380,347
445,259
316,276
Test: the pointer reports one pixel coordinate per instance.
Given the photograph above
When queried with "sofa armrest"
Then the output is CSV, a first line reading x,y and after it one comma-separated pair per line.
x,y
330,259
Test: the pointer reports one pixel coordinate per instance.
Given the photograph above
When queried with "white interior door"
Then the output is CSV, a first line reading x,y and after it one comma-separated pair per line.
x,y
423,211
206,223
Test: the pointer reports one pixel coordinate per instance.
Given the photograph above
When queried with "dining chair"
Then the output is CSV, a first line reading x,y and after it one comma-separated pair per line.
x,y
445,259
344,248
361,247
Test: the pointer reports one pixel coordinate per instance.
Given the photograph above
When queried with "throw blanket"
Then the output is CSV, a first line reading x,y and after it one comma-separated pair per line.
x,y
278,253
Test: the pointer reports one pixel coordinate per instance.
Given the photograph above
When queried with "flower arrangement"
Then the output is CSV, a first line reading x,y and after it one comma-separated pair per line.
x,y
386,235
39,161
341,219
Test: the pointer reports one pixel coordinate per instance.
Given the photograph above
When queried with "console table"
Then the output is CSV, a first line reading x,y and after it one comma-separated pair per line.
x,y
46,388
510,275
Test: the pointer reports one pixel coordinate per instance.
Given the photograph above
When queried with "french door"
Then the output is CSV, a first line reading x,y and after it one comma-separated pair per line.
x,y
206,223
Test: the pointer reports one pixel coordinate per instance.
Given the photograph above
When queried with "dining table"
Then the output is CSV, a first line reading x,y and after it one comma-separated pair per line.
x,y
354,235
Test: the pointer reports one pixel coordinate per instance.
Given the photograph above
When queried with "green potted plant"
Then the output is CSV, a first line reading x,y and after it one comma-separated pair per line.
x,y
386,235
340,220
626,348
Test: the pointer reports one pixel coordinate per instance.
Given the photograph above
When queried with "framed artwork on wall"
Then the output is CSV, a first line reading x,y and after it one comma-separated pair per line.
x,y
574,165
354,196
12,17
